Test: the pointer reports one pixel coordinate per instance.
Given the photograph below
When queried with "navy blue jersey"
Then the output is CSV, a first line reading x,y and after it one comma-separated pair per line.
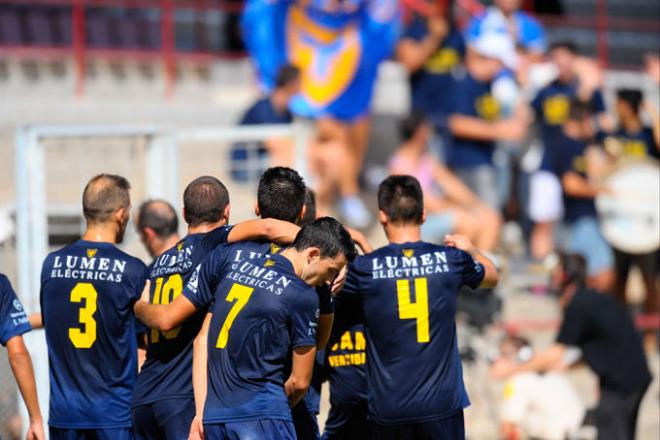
x,y
13,319
167,371
572,158
552,104
261,311
87,294
431,84
472,98
633,145
408,293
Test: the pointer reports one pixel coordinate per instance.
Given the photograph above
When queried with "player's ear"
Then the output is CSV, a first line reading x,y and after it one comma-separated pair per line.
x,y
257,211
303,211
423,216
226,212
382,218
122,215
313,254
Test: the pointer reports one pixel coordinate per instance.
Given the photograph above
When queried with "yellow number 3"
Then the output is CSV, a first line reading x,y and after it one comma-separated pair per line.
x,y
79,338
419,309
242,295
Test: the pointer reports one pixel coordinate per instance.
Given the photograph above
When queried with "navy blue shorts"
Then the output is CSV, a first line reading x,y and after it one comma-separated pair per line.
x,y
265,429
346,422
307,427
91,434
167,419
449,428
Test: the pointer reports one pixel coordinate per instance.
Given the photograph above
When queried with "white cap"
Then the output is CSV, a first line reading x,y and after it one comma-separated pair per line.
x,y
497,45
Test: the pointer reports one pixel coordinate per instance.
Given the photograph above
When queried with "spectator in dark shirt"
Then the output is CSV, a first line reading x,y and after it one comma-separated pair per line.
x,y
575,79
599,326
475,120
271,109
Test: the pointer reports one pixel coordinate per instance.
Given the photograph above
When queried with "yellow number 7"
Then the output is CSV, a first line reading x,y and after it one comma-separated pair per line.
x,y
242,295
79,338
419,309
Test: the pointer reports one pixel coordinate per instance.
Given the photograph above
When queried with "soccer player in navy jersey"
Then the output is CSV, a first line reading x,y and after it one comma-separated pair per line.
x,y
163,401
408,291
262,312
13,324
87,293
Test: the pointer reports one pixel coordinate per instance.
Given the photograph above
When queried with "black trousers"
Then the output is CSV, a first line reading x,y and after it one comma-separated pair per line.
x,y
616,414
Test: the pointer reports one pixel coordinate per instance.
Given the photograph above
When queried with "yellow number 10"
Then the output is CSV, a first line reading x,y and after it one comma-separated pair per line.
x,y
79,338
172,287
419,309
242,295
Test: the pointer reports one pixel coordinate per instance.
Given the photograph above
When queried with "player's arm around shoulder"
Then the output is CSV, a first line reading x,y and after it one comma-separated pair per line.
x,y
21,365
163,317
269,229
199,372
491,276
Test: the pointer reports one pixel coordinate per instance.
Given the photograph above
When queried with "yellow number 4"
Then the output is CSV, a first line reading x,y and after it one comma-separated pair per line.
x,y
173,286
419,309
79,338
241,294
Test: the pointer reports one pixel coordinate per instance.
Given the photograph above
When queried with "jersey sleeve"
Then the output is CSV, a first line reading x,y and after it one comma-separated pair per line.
x,y
217,237
13,319
304,319
326,301
200,288
141,277
472,271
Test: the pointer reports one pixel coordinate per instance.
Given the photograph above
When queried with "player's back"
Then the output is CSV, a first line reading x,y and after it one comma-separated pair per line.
x,y
87,294
408,294
167,371
261,311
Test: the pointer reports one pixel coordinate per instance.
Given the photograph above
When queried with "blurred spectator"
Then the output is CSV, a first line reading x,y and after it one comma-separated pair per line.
x,y
450,205
535,405
506,17
157,225
571,161
474,117
431,49
274,109
610,345
551,107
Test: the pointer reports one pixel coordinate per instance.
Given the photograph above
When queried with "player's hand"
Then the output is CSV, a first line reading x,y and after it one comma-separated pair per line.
x,y
35,431
460,242
196,429
339,281
145,292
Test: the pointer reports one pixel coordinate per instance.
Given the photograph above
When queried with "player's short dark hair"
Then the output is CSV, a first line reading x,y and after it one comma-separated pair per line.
x,y
632,97
410,124
578,109
281,194
329,236
566,45
401,198
159,216
310,207
286,75
204,201
103,195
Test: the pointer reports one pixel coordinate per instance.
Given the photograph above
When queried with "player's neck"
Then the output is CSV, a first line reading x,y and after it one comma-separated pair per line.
x,y
296,259
169,243
631,125
101,233
206,227
399,234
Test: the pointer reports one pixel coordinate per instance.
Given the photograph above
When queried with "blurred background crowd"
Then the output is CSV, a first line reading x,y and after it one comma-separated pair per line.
x,y
532,127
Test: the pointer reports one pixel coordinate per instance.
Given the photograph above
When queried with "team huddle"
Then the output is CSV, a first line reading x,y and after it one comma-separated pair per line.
x,y
242,323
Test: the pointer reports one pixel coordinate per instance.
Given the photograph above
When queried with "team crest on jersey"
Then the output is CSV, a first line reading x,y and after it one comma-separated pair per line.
x,y
274,248
91,253
179,246
408,253
269,263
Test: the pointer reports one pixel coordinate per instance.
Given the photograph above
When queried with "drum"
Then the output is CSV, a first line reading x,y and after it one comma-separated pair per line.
x,y
630,214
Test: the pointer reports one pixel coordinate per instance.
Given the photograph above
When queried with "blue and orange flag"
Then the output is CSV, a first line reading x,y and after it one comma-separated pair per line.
x,y
338,46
